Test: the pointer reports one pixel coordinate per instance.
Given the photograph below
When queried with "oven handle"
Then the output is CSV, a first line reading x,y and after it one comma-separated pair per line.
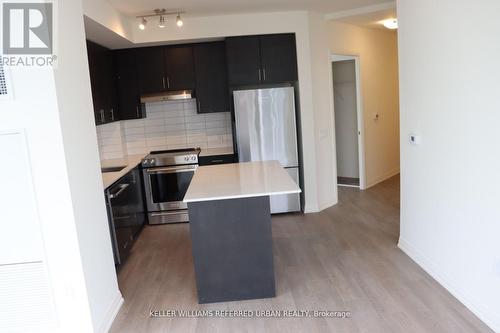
x,y
115,195
171,169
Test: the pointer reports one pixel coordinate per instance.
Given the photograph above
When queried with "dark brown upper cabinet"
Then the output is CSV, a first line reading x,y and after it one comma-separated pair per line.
x,y
165,68
278,58
212,94
266,59
102,83
127,85
243,60
179,68
151,69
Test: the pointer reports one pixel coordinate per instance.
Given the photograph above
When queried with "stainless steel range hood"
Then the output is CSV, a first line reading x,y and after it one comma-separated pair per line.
x,y
167,96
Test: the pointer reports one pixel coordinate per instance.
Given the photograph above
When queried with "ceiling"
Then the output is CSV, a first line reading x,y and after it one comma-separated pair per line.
x,y
217,7
371,19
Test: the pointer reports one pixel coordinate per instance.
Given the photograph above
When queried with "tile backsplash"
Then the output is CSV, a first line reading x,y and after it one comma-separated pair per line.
x,y
168,125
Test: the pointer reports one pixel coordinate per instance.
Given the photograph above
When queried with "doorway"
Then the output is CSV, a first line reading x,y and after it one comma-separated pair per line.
x,y
348,121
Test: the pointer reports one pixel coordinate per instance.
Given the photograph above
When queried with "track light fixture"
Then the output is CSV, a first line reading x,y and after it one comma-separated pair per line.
x,y
162,14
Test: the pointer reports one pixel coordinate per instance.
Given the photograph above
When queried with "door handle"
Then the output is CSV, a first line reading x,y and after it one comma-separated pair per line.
x,y
260,76
112,114
123,187
137,111
163,82
264,73
168,82
102,115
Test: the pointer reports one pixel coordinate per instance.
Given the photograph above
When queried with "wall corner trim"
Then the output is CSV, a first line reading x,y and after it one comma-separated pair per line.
x,y
112,312
488,316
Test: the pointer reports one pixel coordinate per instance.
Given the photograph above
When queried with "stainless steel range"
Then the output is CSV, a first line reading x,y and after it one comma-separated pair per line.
x,y
167,175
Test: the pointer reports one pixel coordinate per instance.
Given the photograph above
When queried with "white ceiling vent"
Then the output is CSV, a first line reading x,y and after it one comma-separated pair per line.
x,y
5,90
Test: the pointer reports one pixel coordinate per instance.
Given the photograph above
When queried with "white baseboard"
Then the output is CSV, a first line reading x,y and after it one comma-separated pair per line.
x,y
113,309
488,316
378,180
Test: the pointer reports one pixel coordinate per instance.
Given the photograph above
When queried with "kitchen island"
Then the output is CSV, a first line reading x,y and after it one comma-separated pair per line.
x,y
230,226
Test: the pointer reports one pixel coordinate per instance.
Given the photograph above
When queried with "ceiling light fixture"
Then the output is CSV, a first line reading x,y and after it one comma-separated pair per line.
x,y
391,23
179,21
143,23
162,22
162,14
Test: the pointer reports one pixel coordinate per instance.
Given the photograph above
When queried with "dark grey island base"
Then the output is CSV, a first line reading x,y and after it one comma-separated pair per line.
x,y
232,249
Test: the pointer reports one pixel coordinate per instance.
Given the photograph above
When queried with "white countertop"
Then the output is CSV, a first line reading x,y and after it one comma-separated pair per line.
x,y
130,161
239,180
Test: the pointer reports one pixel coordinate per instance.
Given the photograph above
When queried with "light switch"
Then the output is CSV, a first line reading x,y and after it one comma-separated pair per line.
x,y
415,139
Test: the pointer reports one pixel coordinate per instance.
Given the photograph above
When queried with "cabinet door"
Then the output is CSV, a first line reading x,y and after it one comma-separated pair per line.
x,y
243,60
151,70
279,58
211,77
108,86
94,66
127,84
179,67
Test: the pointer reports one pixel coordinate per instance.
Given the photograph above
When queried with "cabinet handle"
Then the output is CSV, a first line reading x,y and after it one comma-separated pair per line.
x,y
102,115
264,72
163,82
112,115
260,77
199,106
137,111
168,82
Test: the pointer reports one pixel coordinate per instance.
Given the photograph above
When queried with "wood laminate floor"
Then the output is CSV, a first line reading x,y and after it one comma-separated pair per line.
x,y
344,258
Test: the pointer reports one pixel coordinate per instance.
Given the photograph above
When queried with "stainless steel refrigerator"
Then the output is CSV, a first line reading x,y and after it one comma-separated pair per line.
x,y
266,130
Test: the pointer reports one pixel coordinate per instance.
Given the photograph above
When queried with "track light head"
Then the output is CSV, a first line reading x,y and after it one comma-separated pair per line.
x,y
179,21
162,22
143,23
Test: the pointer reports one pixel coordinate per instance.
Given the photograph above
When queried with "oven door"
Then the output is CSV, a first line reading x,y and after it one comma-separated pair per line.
x,y
166,187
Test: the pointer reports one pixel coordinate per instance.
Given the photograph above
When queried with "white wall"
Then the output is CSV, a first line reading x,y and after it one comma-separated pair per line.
x,y
83,166
378,55
53,109
34,110
101,11
322,95
450,203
